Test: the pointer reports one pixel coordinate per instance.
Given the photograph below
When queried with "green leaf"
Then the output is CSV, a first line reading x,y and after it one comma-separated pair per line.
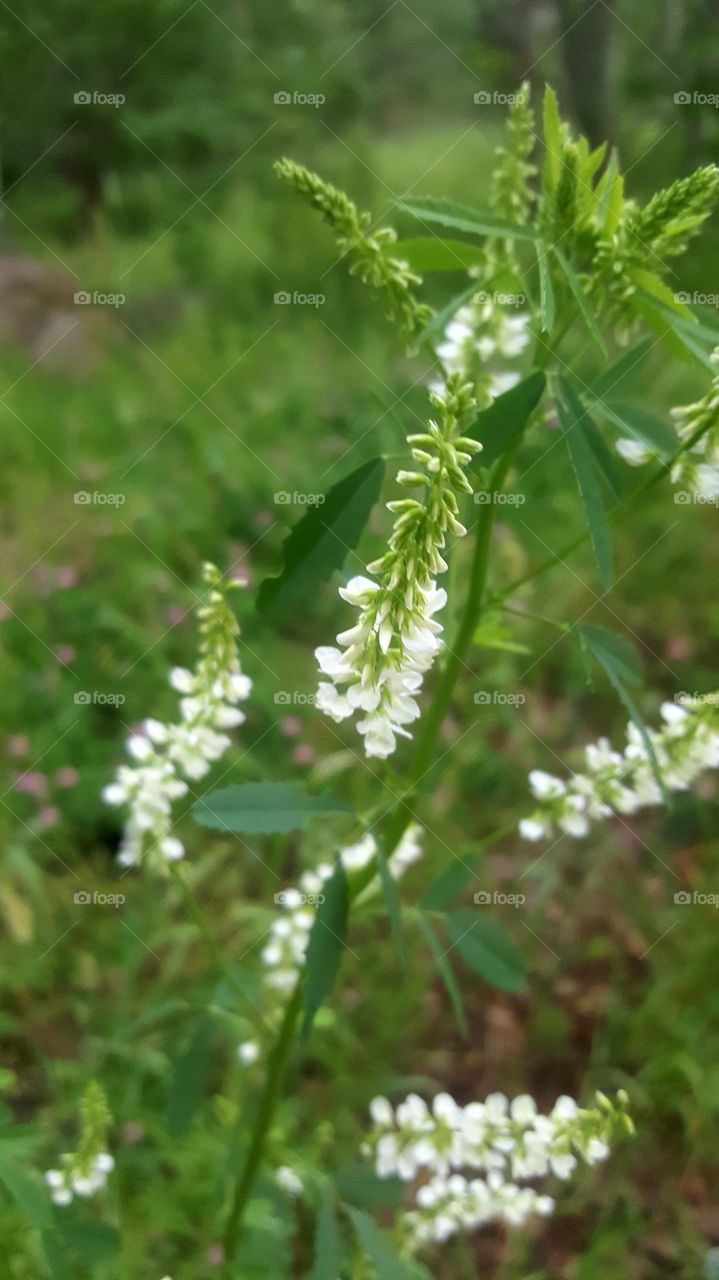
x,y
572,419
94,1242
642,426
57,1262
656,288
622,667
430,253
495,634
392,903
546,291
487,950
460,217
327,941
320,542
263,808
358,1185
444,969
191,1069
603,457
581,299
378,1247
499,426
328,1242
632,360
672,335
28,1191
553,141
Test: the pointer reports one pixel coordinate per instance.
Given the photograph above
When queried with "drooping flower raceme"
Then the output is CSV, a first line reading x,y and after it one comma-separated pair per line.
x,y
698,468
290,934
622,782
379,667
84,1171
166,756
506,1143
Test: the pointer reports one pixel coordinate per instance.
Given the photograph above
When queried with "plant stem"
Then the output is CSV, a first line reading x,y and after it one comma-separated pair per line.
x,y
265,1111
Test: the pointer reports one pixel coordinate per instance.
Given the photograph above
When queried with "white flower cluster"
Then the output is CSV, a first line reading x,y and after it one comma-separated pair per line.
x,y
84,1181
480,338
698,467
380,664
507,1143
290,935
166,755
614,782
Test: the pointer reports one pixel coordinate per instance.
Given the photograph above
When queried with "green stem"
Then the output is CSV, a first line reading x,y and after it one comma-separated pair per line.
x,y
265,1111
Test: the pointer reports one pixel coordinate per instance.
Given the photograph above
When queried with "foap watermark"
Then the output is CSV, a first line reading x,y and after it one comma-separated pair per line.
x,y
692,97
297,98
293,698
497,698
711,699
683,898
93,98
485,497
95,698
87,298
294,898
283,298
493,898
283,498
83,898
95,498
494,97
697,299
501,299
685,497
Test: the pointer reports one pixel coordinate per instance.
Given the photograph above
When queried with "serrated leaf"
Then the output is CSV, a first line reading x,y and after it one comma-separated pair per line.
x,y
378,1247
487,950
581,299
499,426
546,291
320,542
263,808
326,944
444,969
328,1242
430,253
572,416
460,217
190,1072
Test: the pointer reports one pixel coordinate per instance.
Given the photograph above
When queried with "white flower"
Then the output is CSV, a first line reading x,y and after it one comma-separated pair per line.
x,y
288,1180
167,755
248,1052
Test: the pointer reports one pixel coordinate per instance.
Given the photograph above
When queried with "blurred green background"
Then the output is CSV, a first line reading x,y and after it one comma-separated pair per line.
x,y
136,150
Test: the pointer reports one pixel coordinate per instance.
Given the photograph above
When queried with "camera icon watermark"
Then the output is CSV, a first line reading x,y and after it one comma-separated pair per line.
x,y
488,97
697,299
683,898
686,97
83,898
293,698
500,299
84,498
283,298
94,698
497,698
487,497
296,98
294,898
283,498
493,898
686,497
85,298
86,98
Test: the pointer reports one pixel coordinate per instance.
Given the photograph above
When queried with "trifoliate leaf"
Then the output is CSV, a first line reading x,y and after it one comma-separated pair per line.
x,y
263,808
321,541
